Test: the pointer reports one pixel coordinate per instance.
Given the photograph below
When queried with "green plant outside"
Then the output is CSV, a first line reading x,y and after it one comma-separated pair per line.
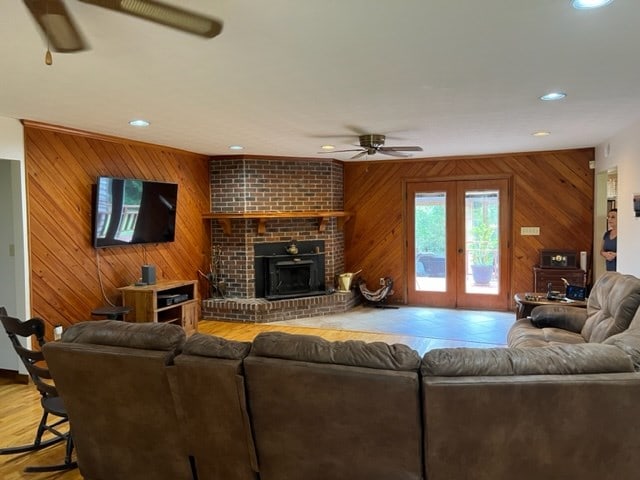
x,y
430,235
484,245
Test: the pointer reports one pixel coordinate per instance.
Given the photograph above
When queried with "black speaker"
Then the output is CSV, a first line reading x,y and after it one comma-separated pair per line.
x,y
149,274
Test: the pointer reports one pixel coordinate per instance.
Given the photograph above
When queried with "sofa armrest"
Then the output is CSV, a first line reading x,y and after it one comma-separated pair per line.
x,y
629,342
554,360
559,316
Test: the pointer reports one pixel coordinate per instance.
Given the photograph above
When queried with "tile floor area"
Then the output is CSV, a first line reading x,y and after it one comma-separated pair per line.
x,y
459,327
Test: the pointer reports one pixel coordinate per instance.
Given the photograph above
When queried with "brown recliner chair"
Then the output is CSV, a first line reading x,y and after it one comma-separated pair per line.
x,y
612,303
213,408
334,410
114,378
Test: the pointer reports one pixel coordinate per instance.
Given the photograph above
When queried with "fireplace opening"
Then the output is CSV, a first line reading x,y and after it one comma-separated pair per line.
x,y
291,278
282,275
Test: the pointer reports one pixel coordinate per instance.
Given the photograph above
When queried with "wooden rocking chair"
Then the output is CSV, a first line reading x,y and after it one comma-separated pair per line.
x,y
51,402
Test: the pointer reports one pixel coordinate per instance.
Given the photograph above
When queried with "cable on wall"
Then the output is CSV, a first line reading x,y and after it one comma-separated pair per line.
x,y
104,295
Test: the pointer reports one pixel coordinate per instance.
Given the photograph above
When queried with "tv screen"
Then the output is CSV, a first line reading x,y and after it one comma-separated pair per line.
x,y
129,211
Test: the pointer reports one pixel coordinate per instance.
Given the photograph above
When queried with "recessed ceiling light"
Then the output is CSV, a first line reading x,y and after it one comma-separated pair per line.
x,y
139,123
541,134
551,96
236,147
587,4
327,147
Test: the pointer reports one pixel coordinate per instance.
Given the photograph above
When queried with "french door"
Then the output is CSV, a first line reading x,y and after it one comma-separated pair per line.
x,y
458,246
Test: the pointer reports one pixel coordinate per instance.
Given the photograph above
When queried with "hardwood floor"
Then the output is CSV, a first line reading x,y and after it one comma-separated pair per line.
x,y
20,413
20,404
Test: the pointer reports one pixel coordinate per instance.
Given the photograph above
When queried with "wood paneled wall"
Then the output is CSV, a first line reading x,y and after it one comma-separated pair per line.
x,y
551,190
62,166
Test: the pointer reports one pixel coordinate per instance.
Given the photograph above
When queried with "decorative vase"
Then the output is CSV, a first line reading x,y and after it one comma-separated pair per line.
x,y
482,274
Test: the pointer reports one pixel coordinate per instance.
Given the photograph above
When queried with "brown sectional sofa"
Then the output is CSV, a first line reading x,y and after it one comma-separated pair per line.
x,y
144,402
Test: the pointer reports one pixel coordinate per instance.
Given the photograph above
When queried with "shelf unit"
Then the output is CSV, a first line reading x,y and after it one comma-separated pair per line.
x,y
224,219
153,303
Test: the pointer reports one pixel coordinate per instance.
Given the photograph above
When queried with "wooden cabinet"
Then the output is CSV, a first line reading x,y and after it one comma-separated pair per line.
x,y
169,302
542,276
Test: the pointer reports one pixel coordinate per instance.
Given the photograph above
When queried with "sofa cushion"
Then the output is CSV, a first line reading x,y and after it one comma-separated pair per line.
x,y
308,348
565,317
148,336
524,334
612,304
553,360
334,410
213,407
629,342
215,347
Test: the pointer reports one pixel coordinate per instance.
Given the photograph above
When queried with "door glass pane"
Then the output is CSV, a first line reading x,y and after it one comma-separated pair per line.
x,y
482,232
430,241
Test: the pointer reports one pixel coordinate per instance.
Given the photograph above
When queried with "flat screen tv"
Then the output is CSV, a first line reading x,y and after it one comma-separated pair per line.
x,y
129,211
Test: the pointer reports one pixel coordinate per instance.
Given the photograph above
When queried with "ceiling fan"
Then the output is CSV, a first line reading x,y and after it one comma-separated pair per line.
x,y
374,143
63,35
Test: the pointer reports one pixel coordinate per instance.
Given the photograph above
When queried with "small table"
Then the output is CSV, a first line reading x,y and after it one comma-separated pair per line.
x,y
112,313
525,302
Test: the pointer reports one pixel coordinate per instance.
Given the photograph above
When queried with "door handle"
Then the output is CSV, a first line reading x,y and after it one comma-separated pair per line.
x,y
461,250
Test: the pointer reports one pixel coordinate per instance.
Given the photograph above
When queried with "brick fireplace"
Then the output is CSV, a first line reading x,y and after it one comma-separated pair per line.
x,y
243,185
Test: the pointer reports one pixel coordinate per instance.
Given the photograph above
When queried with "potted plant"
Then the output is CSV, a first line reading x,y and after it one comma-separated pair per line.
x,y
483,249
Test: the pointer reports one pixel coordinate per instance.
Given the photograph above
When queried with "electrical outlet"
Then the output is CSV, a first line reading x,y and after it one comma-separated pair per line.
x,y
529,230
382,282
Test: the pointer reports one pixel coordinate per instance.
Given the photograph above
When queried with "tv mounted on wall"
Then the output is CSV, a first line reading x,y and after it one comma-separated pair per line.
x,y
129,211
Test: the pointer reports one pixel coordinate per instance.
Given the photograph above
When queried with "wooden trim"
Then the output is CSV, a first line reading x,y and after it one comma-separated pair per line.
x,y
14,376
224,219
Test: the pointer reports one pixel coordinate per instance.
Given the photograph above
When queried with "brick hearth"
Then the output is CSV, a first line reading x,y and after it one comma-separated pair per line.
x,y
262,310
245,185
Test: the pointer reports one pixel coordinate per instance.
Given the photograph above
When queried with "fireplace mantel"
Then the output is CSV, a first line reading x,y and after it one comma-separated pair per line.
x,y
224,219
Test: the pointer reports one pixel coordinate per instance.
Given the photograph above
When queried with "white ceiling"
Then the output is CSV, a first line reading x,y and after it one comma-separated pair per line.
x,y
456,77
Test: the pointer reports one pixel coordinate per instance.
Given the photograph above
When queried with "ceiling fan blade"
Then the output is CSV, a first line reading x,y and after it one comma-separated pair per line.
x,y
164,14
58,26
393,153
341,151
413,148
359,155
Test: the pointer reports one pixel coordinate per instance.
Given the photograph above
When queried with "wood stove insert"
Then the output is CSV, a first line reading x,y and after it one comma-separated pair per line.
x,y
280,275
